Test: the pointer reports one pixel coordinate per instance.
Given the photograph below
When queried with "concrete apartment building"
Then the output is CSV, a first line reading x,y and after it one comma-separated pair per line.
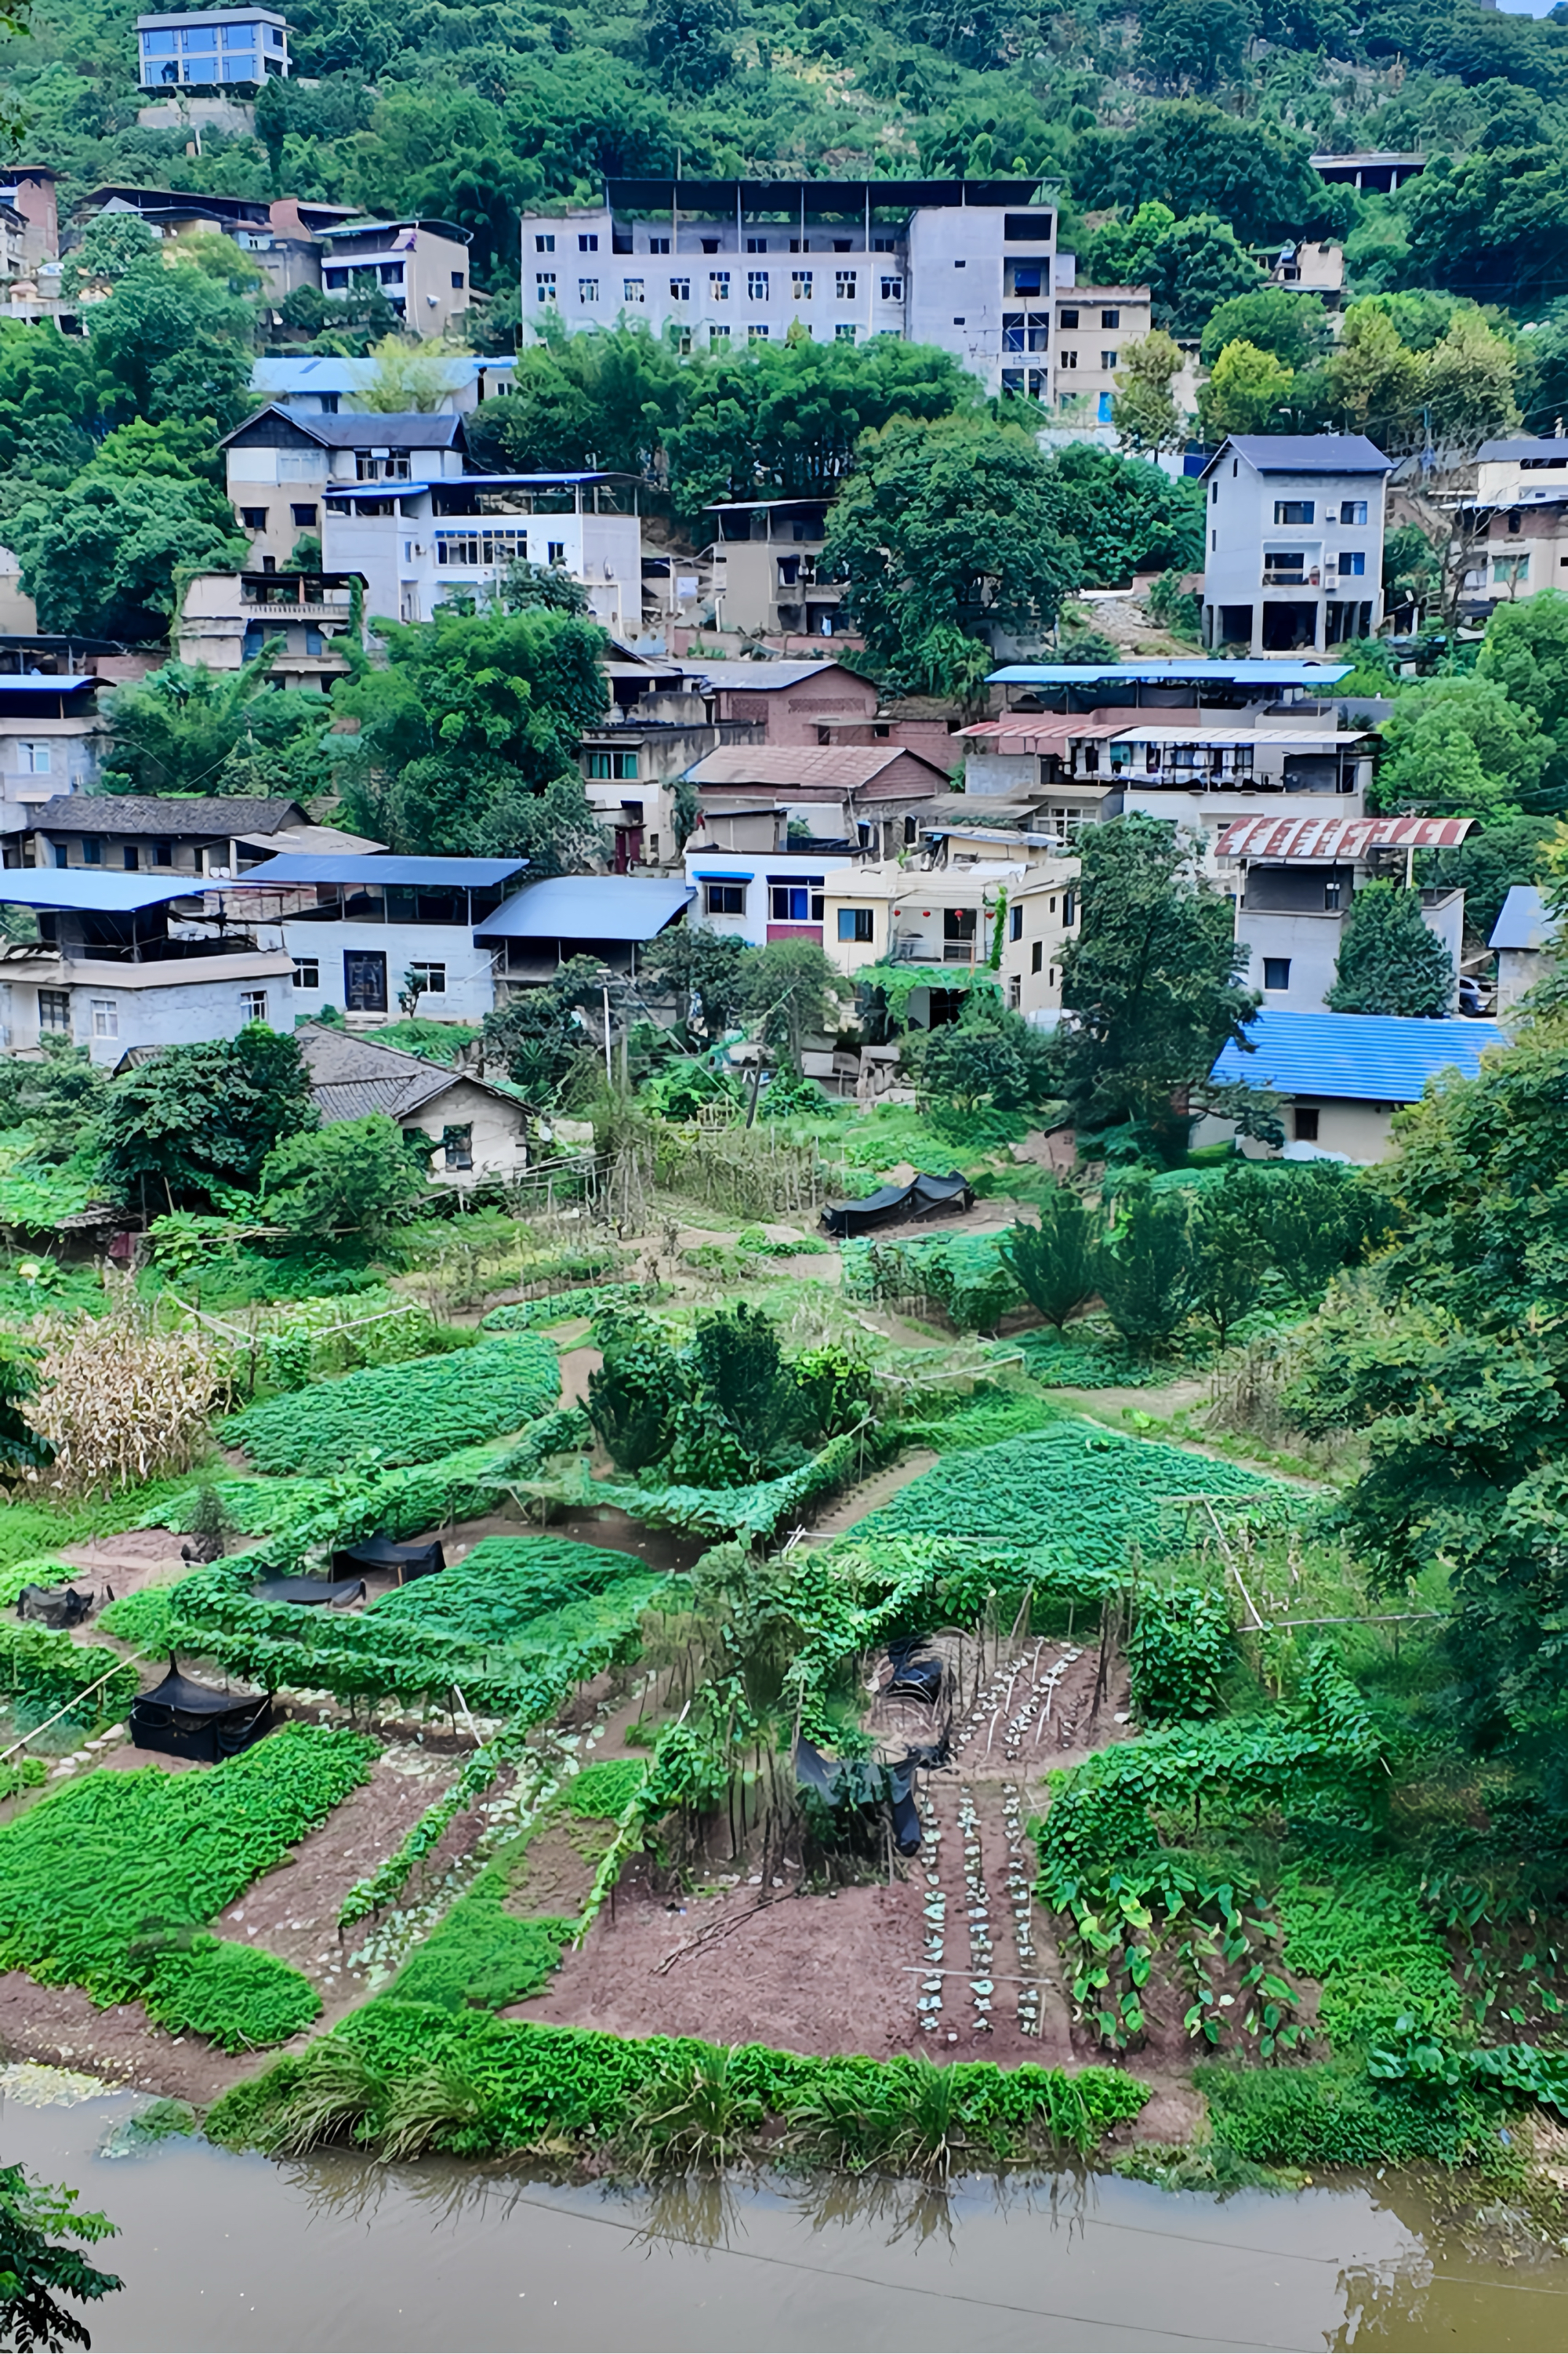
x,y
279,466
417,543
305,617
1293,560
209,49
768,572
420,267
1093,325
1511,508
51,739
719,263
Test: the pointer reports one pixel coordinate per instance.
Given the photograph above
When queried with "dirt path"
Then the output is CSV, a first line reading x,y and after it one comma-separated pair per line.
x,y
872,1493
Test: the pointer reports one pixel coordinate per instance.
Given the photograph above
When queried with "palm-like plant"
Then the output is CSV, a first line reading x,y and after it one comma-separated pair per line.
x,y
695,2112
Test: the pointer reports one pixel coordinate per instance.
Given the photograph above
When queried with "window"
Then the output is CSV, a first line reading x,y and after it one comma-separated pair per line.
x,y
1305,1123
430,979
658,245
798,902
1277,972
1016,923
756,245
844,284
1012,380
801,285
1069,902
1353,565
959,321
54,1009
633,290
1515,525
893,289
1069,318
253,1005
1110,318
92,850
727,898
718,285
1351,511
304,518
543,245
554,551
35,760
756,285
883,245
253,518
1294,511
391,274
1013,330
1039,330
480,543
680,289
129,858
1067,359
612,764
105,1018
457,1147
855,924
588,289
841,245
843,334
163,853
307,973
1509,570
1037,955
335,281
1284,560
1029,282
718,335
756,335
1015,991
544,286
710,245
587,244
1108,360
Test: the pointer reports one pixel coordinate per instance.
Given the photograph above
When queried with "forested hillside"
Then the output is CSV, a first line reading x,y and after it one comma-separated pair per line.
x,y
1208,107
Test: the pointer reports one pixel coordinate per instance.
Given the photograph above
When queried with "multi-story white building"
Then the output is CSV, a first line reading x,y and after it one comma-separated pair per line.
x,y
1294,553
968,265
419,266
279,466
1094,326
418,543
203,49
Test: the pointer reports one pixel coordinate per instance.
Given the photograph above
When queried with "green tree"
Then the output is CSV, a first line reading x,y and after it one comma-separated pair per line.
x,y
353,1174
790,990
1149,1276
1291,326
686,43
469,733
1310,1219
110,245
1195,45
187,730
1195,266
1195,158
1125,515
546,1052
1493,224
1055,1263
948,528
58,1097
989,1057
38,2266
1486,865
1450,1354
173,343
702,971
1389,961
100,558
1245,392
636,1394
1378,383
1153,982
1525,653
1144,409
1461,747
1470,379
199,1120
1229,1255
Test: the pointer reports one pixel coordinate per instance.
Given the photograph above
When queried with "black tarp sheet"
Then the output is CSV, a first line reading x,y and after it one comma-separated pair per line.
x,y
925,1196
408,1561
53,1606
180,1718
858,1783
336,1593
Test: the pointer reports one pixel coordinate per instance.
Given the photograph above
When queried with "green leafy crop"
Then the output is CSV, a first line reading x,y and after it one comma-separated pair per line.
x,y
411,1413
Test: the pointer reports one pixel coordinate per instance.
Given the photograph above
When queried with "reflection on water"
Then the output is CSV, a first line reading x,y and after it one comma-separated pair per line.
x,y
337,2251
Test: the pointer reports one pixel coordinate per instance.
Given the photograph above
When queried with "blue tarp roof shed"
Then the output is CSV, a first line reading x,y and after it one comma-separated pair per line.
x,y
89,891
1171,673
1356,1057
589,907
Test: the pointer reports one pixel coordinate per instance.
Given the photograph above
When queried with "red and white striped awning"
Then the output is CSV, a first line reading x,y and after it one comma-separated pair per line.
x,y
1337,840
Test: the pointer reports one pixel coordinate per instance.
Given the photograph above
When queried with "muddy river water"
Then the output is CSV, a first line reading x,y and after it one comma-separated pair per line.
x,y
236,2253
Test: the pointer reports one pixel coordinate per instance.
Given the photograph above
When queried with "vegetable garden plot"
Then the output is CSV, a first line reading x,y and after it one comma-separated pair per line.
x,y
107,1883
1079,1490
412,1413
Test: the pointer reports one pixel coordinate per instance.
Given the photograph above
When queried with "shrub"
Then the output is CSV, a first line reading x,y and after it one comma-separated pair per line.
x,y
1054,1264
1147,1274
1180,1651
411,1413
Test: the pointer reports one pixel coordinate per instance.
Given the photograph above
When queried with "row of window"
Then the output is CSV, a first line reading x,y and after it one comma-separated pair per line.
x,y
1069,359
799,903
362,274
1108,318
103,1012
587,243
301,515
634,291
1351,562
1351,511
206,36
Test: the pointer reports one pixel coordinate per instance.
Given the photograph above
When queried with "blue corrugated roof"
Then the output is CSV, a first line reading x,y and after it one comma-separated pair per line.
x,y
91,890
589,907
1524,922
382,867
37,682
1357,1057
1171,673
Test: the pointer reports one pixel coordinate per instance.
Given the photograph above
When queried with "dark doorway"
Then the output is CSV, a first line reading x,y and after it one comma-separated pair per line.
x,y
364,981
1287,626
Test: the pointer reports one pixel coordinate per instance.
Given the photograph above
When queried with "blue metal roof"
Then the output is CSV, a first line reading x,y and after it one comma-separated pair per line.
x,y
37,682
1171,673
1356,1057
91,890
589,907
1524,922
381,866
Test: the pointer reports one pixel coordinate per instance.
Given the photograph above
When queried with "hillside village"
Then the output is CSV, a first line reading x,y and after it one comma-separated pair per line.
x,y
782,1090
